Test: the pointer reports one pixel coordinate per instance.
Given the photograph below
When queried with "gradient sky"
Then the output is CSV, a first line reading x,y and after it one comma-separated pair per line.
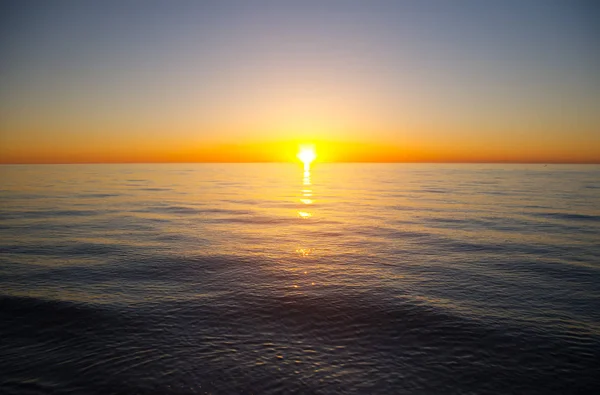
x,y
128,81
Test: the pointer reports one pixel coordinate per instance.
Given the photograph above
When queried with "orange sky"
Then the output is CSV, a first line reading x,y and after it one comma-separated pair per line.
x,y
250,81
286,152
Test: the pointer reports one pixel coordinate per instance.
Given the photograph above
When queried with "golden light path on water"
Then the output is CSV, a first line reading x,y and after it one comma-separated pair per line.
x,y
307,155
306,192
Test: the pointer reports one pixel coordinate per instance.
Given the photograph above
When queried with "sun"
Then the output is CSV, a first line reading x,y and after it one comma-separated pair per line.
x,y
307,154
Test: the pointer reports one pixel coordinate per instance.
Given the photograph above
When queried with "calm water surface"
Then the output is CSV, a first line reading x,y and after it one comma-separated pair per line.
x,y
263,279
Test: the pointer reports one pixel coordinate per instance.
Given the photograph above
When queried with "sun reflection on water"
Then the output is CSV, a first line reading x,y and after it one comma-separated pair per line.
x,y
306,180
306,193
304,214
303,252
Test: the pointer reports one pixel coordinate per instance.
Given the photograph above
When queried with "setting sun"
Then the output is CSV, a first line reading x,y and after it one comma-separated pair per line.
x,y
307,154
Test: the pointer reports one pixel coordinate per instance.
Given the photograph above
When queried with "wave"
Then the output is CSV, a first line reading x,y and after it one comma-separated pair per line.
x,y
569,216
35,214
259,341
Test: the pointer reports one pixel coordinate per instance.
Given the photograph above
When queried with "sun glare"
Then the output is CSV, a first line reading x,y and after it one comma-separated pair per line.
x,y
307,155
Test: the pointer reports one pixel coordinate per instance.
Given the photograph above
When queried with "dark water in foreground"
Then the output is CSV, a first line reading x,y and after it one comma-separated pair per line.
x,y
354,279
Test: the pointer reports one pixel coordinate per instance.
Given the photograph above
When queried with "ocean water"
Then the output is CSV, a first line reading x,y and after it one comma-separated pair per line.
x,y
265,279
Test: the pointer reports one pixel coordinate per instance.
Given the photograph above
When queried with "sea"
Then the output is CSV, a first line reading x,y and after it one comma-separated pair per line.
x,y
275,279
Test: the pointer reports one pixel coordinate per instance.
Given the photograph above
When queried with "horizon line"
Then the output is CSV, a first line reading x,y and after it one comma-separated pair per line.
x,y
289,162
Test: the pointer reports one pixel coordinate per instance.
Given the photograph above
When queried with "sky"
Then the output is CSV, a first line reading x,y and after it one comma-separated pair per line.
x,y
237,81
